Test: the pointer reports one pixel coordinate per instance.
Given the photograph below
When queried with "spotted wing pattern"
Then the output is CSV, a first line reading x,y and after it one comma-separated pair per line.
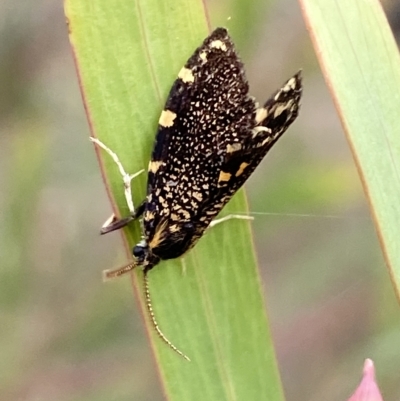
x,y
211,136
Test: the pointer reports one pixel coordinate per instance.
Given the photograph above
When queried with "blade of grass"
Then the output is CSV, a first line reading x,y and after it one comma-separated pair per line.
x,y
128,54
361,64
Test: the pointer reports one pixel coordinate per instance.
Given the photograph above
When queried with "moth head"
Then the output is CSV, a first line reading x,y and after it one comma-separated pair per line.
x,y
143,256
140,251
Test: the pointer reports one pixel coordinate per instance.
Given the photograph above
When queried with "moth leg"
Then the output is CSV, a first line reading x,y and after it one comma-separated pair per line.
x,y
112,223
230,217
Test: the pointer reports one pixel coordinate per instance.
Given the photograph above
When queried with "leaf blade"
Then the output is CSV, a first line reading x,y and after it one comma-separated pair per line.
x,y
361,63
215,312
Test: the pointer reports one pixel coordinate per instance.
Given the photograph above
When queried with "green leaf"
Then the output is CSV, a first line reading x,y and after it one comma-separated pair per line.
x,y
361,64
128,55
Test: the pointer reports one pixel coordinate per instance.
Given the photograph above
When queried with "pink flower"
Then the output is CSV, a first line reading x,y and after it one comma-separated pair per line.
x,y
368,389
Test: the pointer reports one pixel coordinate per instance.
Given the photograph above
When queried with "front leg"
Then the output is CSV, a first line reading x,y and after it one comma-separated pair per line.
x,y
112,223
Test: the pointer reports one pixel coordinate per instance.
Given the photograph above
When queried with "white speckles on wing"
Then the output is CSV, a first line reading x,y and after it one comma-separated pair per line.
x,y
211,136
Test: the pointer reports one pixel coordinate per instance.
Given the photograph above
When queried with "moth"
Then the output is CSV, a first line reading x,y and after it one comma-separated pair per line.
x,y
211,136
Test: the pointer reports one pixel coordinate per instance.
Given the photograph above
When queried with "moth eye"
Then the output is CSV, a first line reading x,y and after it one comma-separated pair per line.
x,y
139,252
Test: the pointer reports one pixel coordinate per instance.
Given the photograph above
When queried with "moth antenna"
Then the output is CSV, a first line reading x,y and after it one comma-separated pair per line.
x,y
110,274
154,321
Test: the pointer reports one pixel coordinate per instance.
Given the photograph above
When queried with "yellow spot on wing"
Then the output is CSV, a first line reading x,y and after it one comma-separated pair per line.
x,y
280,109
154,166
217,44
186,75
185,214
167,118
197,195
268,139
203,56
255,131
224,176
261,115
241,168
290,85
230,148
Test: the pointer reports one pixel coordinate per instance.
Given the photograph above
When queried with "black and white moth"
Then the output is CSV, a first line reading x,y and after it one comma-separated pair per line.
x,y
211,136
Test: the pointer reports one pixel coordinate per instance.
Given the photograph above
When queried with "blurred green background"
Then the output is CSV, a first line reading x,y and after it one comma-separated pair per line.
x,y
67,336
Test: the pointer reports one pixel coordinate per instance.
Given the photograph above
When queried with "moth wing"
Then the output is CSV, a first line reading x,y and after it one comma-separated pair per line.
x,y
208,108
243,156
211,137
270,122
